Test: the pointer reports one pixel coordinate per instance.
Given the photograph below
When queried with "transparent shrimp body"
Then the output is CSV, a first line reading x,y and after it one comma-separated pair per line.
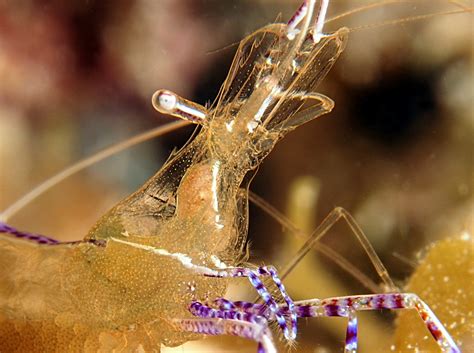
x,y
122,285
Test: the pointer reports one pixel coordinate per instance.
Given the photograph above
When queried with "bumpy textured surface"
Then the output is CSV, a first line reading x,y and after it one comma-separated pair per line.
x,y
445,280
93,298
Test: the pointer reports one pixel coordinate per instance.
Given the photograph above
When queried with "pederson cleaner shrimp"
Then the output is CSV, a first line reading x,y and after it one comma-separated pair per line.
x,y
154,269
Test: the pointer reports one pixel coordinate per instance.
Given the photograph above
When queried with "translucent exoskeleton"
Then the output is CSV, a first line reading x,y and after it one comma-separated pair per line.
x,y
154,269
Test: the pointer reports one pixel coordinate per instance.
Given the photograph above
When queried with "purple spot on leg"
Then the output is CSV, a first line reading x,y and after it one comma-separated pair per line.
x,y
398,301
305,311
246,305
332,310
380,302
351,333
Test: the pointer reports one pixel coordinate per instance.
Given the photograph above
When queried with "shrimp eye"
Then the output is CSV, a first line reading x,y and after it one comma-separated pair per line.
x,y
167,102
164,101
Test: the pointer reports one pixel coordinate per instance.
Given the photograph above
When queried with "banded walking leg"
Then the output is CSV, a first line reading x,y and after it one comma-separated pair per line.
x,y
253,276
37,238
347,307
258,313
307,7
257,332
251,310
351,332
343,306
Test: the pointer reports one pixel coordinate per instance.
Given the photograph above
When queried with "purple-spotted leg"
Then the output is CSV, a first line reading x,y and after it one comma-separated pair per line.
x,y
347,307
230,311
258,332
340,306
351,332
305,8
253,276
251,312
247,307
40,239
204,311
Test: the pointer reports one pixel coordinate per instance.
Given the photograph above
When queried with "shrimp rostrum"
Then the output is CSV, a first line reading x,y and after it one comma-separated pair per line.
x,y
154,269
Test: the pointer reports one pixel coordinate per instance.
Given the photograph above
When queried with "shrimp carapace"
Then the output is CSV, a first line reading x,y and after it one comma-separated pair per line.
x,y
194,200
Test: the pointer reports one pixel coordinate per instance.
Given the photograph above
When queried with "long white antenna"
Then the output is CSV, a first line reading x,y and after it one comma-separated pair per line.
x,y
318,28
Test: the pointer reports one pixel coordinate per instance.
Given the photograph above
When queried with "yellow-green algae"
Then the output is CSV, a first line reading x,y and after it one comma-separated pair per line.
x,y
445,280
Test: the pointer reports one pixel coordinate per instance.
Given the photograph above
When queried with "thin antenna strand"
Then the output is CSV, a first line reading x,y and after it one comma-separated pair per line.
x,y
109,151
